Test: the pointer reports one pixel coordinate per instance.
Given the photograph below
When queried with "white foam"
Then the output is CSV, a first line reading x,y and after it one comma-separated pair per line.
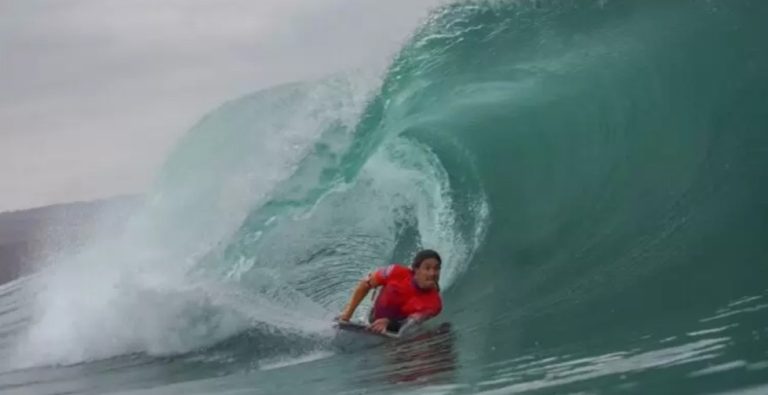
x,y
282,362
154,288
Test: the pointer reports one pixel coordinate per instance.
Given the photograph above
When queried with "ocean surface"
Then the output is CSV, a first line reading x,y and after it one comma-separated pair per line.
x,y
594,173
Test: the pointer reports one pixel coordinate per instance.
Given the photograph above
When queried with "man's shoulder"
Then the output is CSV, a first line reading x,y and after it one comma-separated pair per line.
x,y
398,271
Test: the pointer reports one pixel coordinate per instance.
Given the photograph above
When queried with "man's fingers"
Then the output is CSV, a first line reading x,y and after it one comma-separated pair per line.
x,y
378,327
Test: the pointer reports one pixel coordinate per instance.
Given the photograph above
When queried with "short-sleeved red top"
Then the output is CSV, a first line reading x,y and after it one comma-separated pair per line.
x,y
401,297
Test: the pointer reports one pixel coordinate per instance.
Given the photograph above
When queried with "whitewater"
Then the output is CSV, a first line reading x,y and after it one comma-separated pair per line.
x,y
592,172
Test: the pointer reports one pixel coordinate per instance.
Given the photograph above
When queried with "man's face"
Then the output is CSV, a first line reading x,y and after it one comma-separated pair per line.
x,y
427,274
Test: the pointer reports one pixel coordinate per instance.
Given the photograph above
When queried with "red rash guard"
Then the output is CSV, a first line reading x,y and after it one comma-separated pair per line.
x,y
401,297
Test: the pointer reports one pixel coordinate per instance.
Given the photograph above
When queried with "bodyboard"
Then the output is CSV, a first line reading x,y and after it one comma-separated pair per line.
x,y
360,327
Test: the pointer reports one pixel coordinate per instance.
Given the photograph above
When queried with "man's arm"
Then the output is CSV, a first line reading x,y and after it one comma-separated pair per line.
x,y
358,295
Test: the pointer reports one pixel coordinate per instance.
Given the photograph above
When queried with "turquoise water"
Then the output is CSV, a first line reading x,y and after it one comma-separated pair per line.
x,y
592,172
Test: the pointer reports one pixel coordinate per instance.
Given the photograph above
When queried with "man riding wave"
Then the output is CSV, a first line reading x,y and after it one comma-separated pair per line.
x,y
407,294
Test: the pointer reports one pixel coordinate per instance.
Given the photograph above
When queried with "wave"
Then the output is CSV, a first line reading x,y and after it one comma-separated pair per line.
x,y
583,167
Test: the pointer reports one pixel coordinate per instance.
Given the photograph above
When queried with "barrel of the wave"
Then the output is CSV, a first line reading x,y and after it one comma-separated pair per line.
x,y
621,148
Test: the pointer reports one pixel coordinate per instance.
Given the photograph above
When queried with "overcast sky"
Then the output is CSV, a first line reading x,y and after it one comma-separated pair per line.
x,y
94,93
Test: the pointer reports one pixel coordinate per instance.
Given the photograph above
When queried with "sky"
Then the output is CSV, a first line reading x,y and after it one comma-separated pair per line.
x,y
94,93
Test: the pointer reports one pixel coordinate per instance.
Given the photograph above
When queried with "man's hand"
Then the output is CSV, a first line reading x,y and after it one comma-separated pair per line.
x,y
344,316
362,289
380,325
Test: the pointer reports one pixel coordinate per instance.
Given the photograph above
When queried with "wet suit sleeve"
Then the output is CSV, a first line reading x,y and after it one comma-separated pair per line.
x,y
381,276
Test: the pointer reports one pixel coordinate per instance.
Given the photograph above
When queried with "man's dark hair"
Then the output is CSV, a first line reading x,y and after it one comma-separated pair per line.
x,y
423,255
